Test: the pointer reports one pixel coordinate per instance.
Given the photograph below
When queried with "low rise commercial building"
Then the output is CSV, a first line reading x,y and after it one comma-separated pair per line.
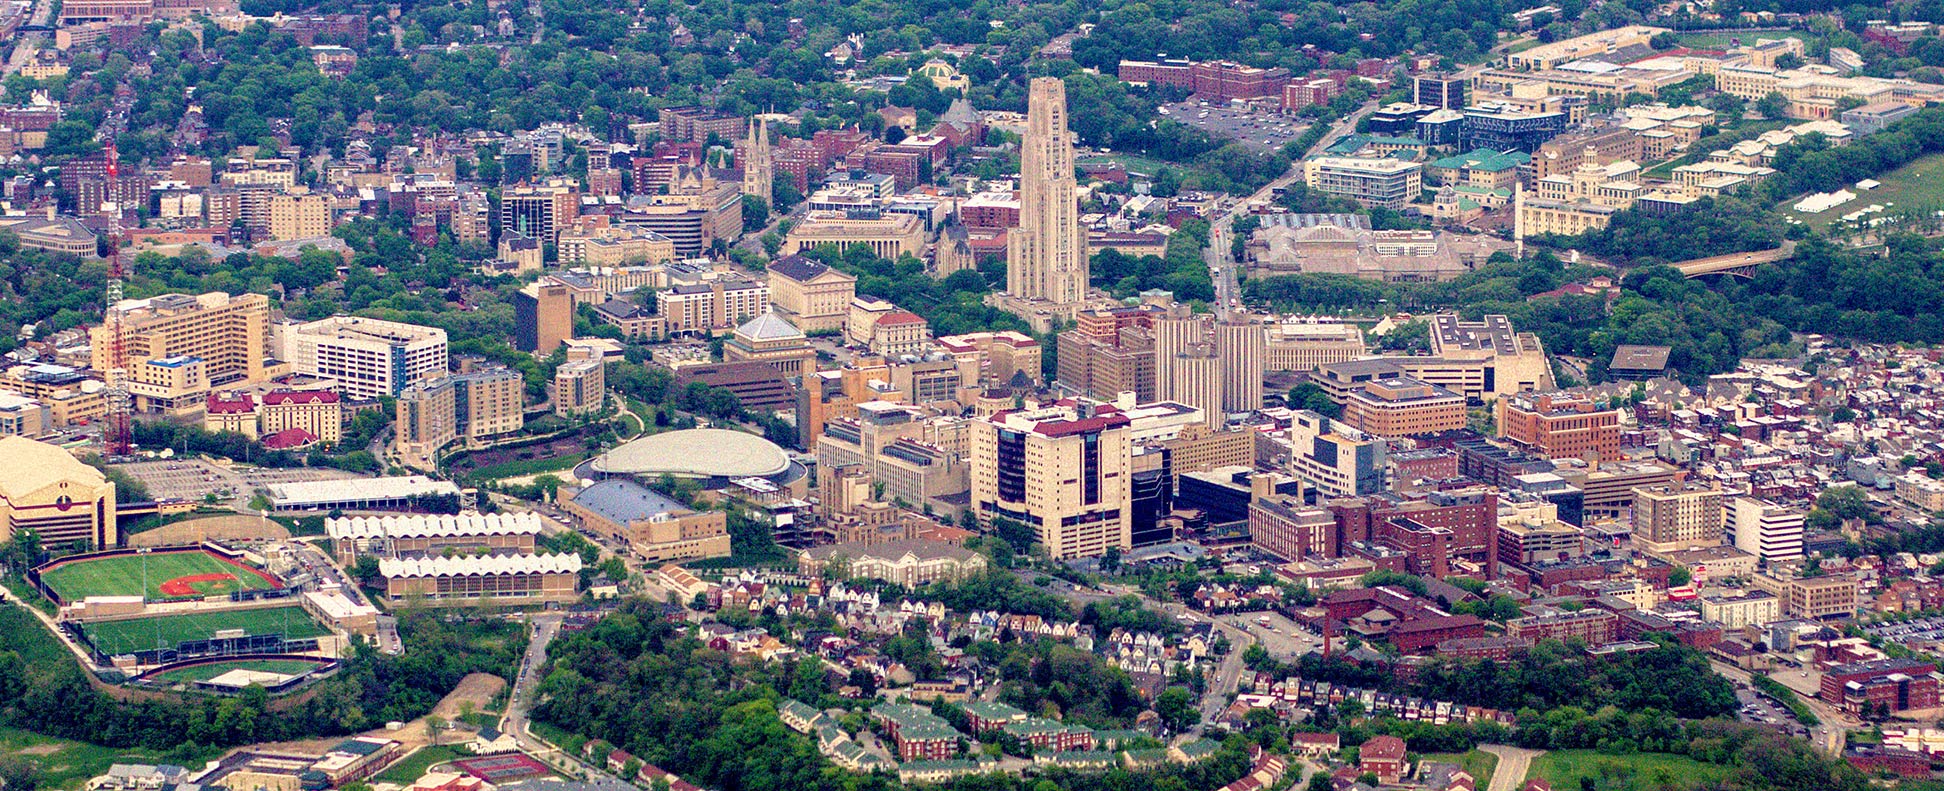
x,y
653,526
466,579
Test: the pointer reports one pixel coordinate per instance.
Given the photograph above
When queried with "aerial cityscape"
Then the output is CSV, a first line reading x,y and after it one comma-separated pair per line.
x,y
829,395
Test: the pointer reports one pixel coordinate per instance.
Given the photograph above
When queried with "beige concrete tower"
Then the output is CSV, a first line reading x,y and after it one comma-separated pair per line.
x,y
1046,256
1239,343
759,173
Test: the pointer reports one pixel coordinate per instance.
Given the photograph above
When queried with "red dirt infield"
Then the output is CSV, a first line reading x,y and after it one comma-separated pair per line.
x,y
186,586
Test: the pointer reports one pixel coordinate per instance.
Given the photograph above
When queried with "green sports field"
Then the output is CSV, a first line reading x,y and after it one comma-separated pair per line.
x,y
142,634
164,575
288,667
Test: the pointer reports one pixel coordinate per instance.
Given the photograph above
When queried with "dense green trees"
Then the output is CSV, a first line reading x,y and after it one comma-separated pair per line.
x,y
43,690
640,683
1707,227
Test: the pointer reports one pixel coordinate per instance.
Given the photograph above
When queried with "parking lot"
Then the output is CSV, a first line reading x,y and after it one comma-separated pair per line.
x,y
1759,709
192,479
1919,633
1260,131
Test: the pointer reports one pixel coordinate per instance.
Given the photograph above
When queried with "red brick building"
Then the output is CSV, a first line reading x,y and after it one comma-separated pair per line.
x,y
1885,685
1424,634
1225,80
1383,756
1593,627
1497,649
1172,73
1903,763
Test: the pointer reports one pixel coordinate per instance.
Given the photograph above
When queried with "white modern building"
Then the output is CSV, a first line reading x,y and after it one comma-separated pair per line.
x,y
367,358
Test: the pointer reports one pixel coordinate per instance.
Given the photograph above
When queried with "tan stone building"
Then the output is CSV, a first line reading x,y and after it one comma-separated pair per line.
x,y
231,334
299,216
810,295
770,339
45,489
900,332
1062,469
654,527
889,236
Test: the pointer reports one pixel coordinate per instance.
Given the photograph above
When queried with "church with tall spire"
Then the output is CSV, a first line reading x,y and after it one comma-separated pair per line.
x,y
759,173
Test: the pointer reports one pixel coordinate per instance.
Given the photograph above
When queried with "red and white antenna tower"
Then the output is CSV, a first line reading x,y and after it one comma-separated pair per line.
x,y
118,437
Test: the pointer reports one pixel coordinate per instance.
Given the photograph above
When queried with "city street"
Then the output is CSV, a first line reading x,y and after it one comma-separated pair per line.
x,y
1513,764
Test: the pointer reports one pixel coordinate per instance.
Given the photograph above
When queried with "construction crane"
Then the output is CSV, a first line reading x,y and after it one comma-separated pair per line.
x,y
117,437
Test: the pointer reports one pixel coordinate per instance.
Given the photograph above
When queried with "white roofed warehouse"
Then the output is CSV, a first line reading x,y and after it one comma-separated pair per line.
x,y
492,579
358,494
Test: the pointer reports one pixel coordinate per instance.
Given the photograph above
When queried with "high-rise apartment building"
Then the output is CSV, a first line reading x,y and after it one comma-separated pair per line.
x,y
1669,518
718,304
299,216
367,358
543,317
1214,366
1063,469
1766,530
579,387
433,414
539,211
231,334
1239,345
1046,256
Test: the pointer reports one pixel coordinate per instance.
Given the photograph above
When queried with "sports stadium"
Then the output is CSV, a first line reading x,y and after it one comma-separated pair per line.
x,y
168,607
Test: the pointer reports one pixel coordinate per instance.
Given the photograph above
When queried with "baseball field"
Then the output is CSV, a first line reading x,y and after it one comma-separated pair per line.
x,y
142,634
153,575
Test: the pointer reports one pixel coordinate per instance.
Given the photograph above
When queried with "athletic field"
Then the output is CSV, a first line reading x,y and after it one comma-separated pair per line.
x,y
288,667
166,631
156,575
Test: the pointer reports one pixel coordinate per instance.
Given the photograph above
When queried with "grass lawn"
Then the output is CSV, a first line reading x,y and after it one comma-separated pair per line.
x,y
147,574
69,764
1919,184
1636,772
114,637
1477,763
1725,40
288,667
535,466
414,766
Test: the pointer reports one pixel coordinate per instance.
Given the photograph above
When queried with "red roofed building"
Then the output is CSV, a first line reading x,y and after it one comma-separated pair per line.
x,y
650,773
289,439
1383,756
235,415
317,412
